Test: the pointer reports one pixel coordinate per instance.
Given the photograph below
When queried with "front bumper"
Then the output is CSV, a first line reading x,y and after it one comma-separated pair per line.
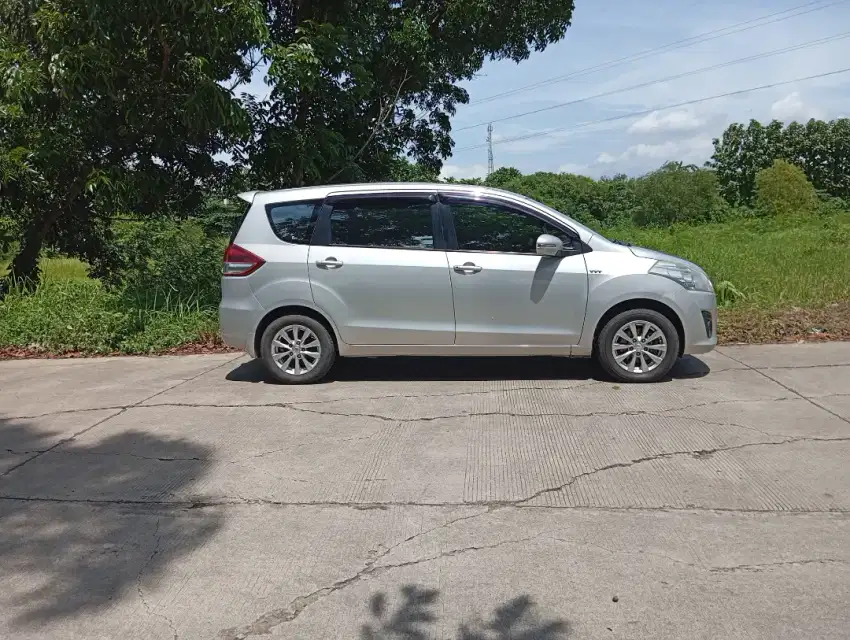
x,y
699,320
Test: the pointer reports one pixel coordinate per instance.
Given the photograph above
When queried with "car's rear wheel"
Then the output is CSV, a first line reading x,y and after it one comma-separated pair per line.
x,y
297,349
638,345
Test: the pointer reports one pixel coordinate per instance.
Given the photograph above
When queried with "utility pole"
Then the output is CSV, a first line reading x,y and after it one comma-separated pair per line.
x,y
489,149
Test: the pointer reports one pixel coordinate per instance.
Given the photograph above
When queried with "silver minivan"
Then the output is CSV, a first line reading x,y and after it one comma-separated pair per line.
x,y
450,270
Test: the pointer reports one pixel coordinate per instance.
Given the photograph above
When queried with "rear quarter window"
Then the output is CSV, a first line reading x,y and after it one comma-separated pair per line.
x,y
293,221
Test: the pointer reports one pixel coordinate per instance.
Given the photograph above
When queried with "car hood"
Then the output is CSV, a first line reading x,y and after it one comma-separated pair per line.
x,y
651,254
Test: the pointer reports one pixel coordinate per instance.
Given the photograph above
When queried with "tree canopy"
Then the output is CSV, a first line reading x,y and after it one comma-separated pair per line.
x,y
355,84
111,108
821,149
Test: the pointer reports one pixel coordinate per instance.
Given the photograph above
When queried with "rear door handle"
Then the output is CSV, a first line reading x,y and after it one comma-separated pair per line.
x,y
329,263
467,267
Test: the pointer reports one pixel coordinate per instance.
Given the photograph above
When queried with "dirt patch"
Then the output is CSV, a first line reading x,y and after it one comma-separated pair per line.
x,y
210,343
754,326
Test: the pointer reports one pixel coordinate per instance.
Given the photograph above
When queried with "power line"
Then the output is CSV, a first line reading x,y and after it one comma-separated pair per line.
x,y
678,44
804,45
644,112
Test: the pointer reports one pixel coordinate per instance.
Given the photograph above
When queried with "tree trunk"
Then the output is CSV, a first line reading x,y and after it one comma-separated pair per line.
x,y
24,267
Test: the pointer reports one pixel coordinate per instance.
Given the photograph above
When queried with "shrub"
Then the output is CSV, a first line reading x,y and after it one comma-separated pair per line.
x,y
65,315
162,329
59,316
9,234
676,193
168,262
783,190
728,294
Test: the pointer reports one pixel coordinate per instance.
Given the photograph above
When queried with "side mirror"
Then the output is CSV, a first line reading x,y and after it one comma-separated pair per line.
x,y
548,245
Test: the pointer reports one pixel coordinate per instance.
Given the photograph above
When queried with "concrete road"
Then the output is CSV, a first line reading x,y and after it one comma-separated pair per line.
x,y
190,498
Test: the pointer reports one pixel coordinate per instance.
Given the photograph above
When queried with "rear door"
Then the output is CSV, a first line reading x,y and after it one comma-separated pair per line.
x,y
504,293
378,266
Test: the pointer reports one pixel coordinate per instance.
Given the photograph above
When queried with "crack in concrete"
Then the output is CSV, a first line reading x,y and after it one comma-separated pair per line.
x,y
225,501
133,455
61,442
663,413
481,392
60,412
670,454
770,565
795,392
294,405
268,621
286,405
25,453
139,590
119,410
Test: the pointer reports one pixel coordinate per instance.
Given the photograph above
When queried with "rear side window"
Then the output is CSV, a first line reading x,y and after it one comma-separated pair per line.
x,y
293,221
392,223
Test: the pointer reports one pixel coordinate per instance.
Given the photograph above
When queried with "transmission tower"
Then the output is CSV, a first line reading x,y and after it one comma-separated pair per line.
x,y
489,148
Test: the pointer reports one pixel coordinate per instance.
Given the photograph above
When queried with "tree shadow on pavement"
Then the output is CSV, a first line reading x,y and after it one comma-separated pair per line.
x,y
75,532
412,617
463,369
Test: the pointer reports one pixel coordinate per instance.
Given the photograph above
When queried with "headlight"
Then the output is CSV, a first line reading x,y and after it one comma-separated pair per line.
x,y
690,278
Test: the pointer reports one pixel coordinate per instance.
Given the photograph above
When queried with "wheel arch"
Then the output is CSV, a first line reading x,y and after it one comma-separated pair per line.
x,y
293,310
641,303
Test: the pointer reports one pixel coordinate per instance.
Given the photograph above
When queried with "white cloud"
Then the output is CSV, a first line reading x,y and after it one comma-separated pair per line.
x,y
690,150
463,172
658,122
792,107
574,167
719,76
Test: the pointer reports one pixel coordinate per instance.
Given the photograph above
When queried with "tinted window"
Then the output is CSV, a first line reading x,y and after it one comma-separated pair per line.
x,y
293,221
491,227
397,223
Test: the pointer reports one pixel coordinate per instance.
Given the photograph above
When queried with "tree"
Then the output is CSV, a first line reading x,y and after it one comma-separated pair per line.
x,y
402,170
354,84
740,154
109,107
502,176
821,149
784,190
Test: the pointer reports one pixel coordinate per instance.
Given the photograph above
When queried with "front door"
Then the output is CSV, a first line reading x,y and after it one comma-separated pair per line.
x,y
377,267
504,293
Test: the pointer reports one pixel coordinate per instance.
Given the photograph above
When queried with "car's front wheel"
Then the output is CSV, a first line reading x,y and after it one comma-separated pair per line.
x,y
297,349
638,345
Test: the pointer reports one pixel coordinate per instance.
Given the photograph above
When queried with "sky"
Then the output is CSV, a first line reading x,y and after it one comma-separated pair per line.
x,y
571,139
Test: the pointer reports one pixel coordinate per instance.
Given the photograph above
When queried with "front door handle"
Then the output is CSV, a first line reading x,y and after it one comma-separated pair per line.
x,y
467,267
329,263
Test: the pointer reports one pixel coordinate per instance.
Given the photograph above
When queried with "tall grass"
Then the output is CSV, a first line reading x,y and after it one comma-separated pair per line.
x,y
773,263
65,315
56,269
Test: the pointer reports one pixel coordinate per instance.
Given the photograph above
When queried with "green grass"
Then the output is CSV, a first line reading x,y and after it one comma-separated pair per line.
x,y
64,315
57,269
775,263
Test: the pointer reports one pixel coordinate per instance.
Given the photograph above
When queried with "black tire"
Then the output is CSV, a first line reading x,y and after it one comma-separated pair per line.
x,y
326,357
605,342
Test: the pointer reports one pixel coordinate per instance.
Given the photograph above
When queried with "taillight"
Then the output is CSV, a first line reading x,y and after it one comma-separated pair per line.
x,y
240,262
